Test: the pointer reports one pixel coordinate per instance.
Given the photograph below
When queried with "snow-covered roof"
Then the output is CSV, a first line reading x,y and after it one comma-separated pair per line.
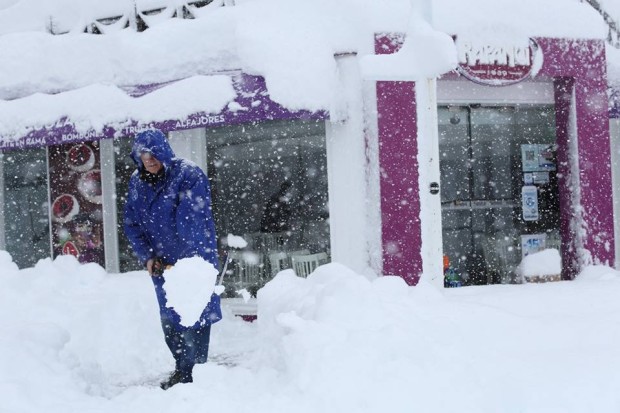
x,y
551,18
533,18
289,42
257,36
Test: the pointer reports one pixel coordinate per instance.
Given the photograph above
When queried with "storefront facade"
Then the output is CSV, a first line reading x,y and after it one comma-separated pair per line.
x,y
63,191
520,161
504,161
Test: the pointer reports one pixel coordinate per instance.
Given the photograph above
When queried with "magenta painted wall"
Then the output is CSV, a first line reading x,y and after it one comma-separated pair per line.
x,y
398,151
579,66
573,65
400,202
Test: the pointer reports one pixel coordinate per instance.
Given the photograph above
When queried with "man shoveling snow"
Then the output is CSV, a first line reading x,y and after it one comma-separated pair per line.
x,y
168,218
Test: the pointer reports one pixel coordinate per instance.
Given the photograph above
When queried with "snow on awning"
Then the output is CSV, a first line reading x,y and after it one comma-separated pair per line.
x,y
106,111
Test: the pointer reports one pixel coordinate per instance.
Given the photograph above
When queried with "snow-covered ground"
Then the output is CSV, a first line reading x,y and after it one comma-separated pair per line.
x,y
73,338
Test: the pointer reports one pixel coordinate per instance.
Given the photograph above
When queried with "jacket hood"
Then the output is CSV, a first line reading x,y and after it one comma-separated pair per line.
x,y
152,141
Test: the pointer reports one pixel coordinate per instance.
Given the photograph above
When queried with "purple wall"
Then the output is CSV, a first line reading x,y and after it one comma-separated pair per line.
x,y
398,151
400,206
579,66
251,94
574,65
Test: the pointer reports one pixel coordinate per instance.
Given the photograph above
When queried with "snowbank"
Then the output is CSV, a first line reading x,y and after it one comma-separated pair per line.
x,y
598,273
77,339
545,262
189,285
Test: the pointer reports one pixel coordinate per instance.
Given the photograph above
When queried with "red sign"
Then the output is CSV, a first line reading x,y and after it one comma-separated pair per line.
x,y
496,65
69,248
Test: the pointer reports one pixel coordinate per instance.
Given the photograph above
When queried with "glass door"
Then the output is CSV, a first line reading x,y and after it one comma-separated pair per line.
x,y
491,160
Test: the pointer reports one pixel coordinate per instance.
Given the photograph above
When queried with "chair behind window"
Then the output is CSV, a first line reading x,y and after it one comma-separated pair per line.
x,y
246,268
304,265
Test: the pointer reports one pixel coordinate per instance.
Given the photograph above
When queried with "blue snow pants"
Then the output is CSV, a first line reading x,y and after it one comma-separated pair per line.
x,y
188,345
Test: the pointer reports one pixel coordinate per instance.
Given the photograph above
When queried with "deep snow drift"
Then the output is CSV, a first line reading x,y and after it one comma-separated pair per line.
x,y
74,338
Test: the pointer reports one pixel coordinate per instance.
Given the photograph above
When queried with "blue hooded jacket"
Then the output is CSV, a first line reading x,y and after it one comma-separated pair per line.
x,y
170,218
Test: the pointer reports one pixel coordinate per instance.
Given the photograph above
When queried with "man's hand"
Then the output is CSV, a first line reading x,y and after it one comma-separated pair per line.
x,y
155,267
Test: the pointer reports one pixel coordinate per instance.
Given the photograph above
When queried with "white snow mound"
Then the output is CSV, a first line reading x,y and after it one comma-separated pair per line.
x,y
189,285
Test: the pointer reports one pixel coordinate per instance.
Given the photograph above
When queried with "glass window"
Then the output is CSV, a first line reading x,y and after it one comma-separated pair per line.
x,y
484,173
124,167
76,201
26,205
269,186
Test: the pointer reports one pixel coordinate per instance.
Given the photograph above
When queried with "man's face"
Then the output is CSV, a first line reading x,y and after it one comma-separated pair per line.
x,y
151,164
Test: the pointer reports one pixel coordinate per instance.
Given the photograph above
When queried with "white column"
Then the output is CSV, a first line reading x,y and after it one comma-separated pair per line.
x,y
374,242
428,161
346,166
108,189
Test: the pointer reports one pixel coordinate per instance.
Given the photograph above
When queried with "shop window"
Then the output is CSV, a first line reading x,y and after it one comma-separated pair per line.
x,y
25,207
124,167
269,186
77,204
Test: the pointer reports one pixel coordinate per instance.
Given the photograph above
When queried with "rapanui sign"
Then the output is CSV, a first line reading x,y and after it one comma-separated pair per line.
x,y
496,64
